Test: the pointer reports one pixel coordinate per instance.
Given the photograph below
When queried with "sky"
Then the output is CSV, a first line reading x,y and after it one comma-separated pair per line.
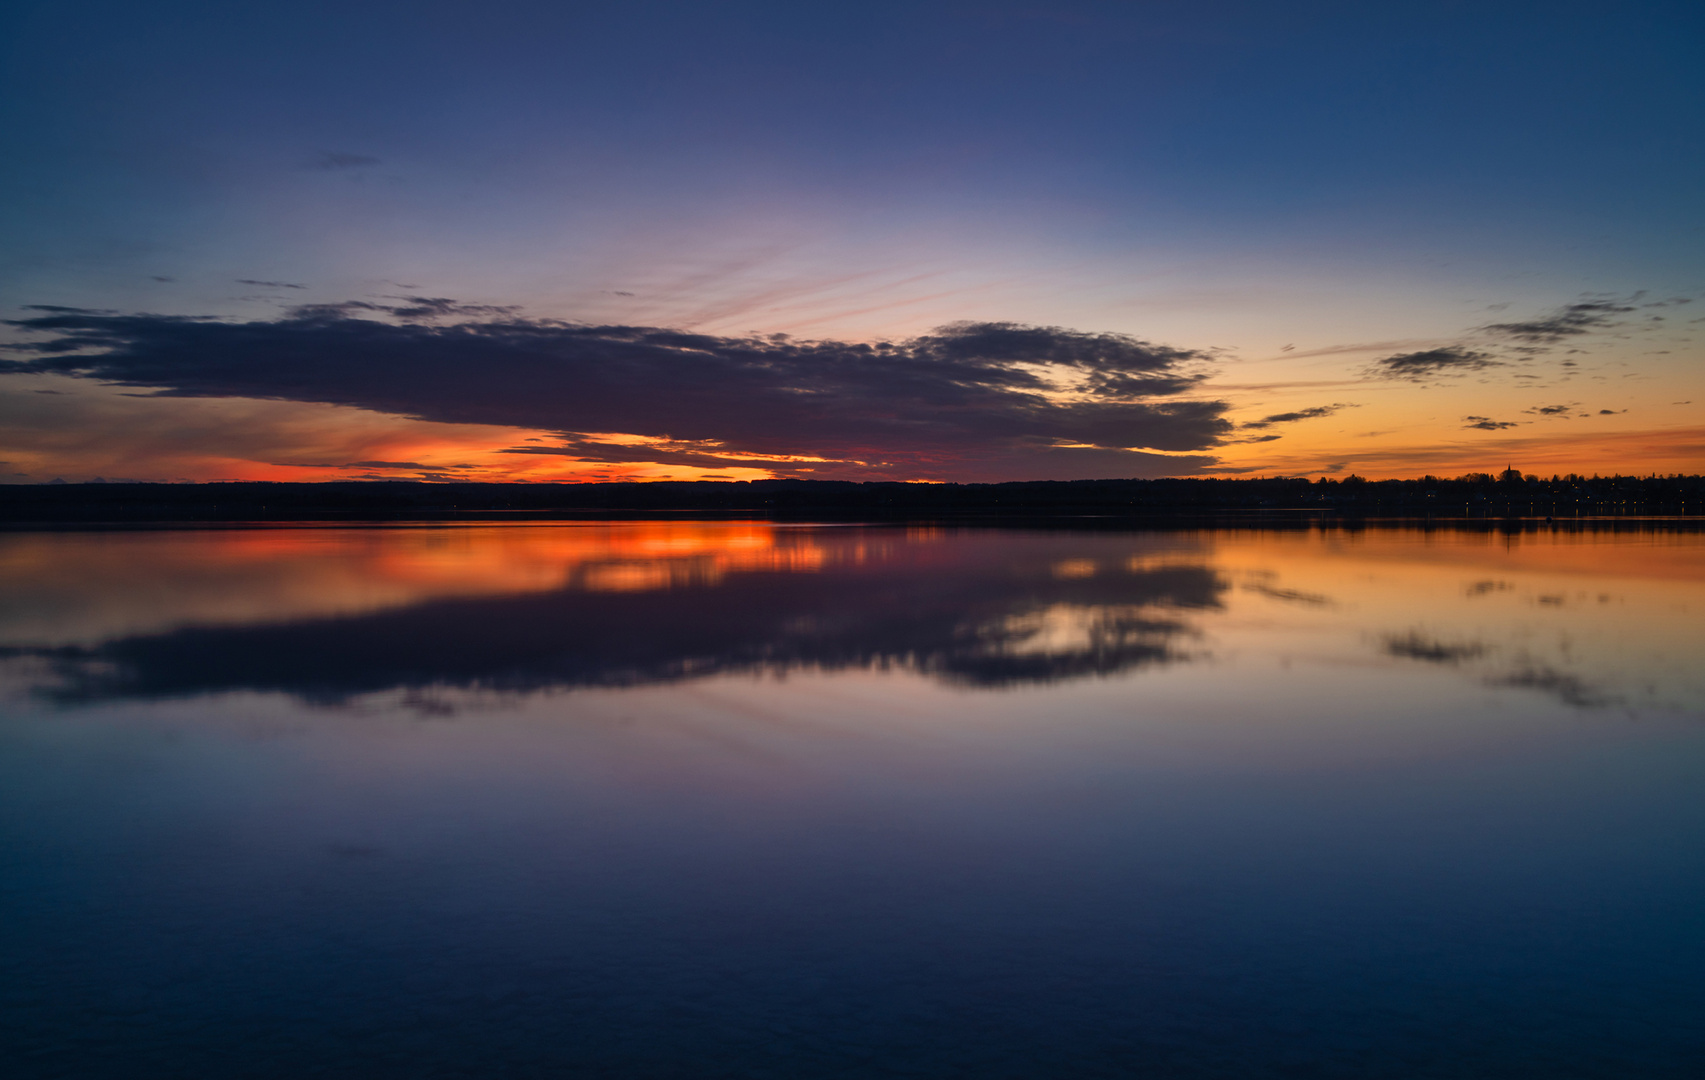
x,y
919,241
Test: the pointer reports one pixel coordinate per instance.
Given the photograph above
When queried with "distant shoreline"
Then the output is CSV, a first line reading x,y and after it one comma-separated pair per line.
x,y
1268,501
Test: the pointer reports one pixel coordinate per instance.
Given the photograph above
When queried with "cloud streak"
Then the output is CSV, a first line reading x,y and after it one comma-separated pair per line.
x,y
1567,321
1432,363
1300,414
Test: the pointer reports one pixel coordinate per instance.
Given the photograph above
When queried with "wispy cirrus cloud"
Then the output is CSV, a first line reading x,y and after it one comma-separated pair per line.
x,y
1300,414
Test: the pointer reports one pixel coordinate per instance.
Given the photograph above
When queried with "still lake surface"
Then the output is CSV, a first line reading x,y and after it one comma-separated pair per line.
x,y
735,799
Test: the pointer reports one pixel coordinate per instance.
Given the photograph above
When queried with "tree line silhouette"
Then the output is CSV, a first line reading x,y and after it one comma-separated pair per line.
x,y
1510,494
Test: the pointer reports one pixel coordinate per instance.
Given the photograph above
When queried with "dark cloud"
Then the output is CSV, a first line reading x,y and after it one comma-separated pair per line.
x,y
1301,414
333,160
439,307
1431,363
409,307
1486,423
968,401
1550,410
1567,321
270,284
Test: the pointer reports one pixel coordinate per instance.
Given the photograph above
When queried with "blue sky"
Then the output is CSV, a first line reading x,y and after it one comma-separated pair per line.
x,y
1235,177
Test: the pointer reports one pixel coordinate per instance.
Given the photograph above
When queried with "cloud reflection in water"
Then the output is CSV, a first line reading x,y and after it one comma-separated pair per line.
x,y
1003,614
329,615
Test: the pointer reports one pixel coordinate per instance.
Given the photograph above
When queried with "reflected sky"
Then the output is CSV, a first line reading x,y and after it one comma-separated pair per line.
x,y
329,615
735,799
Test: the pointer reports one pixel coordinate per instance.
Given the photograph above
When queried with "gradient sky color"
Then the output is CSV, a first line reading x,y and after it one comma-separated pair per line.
x,y
453,240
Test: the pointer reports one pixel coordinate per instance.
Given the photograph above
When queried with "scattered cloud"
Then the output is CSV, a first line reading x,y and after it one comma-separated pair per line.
x,y
1301,414
1567,321
270,284
1486,423
1522,342
1432,363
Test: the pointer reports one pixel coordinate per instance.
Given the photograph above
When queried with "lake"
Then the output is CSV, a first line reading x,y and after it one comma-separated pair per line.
x,y
742,799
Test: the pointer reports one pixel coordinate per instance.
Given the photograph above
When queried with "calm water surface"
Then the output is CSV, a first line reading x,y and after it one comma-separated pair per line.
x,y
742,800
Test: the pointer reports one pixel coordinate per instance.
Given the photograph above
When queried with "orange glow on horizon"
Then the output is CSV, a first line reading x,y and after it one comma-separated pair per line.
x,y
1631,453
82,431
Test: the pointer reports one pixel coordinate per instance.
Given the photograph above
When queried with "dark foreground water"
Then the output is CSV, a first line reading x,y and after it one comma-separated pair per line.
x,y
735,800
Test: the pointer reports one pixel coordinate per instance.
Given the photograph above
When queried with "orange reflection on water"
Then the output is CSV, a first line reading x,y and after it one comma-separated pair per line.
x,y
605,557
83,587
637,558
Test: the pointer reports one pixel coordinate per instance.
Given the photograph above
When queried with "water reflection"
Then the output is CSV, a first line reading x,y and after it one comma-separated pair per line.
x,y
327,615
829,802
647,604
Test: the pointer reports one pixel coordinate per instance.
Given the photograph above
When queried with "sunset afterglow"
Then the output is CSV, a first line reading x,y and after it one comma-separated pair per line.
x,y
928,244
